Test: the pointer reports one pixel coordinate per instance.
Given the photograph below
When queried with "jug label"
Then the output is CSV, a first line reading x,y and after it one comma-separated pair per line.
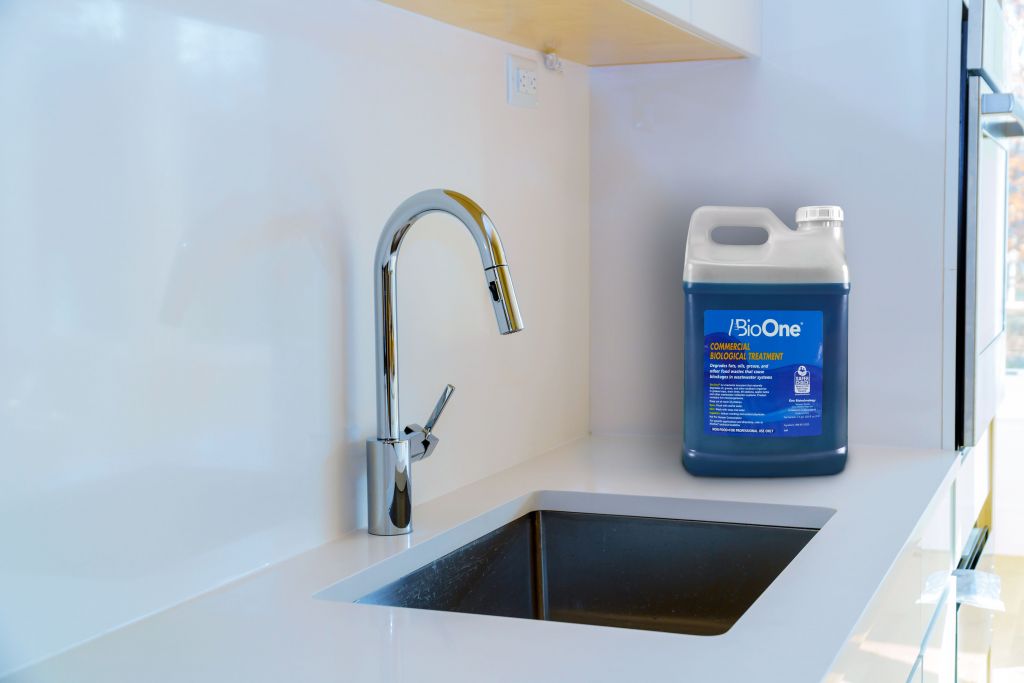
x,y
763,373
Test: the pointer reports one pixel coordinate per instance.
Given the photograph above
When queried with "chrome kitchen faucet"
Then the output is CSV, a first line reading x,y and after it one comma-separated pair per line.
x,y
389,457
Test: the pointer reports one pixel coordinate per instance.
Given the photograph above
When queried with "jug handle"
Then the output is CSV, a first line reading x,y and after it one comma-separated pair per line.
x,y
706,218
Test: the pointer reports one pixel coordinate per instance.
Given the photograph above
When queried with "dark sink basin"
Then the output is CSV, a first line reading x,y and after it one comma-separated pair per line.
x,y
633,572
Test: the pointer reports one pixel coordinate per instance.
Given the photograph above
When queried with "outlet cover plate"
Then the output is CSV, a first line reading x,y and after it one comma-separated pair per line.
x,y
522,75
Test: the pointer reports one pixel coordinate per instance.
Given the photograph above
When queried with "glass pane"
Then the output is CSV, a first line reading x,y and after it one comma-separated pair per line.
x,y
1014,12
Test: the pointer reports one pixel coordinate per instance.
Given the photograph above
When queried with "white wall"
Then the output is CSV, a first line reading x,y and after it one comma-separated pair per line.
x,y
847,105
190,196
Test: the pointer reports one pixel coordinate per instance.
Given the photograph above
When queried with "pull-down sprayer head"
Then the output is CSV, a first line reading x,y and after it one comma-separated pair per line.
x,y
492,255
503,297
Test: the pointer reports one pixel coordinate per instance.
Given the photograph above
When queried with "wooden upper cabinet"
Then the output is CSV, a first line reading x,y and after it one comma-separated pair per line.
x,y
609,32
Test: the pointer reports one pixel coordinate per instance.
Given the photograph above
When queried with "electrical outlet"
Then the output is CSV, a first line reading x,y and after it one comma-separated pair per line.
x,y
522,81
527,84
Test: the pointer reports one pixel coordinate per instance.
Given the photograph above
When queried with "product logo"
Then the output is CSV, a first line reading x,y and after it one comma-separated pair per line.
x,y
801,381
770,327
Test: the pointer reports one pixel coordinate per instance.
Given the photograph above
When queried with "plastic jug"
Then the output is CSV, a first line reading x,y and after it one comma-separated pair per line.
x,y
765,345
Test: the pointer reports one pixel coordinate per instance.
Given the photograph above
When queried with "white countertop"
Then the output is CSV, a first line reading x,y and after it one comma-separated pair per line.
x,y
270,627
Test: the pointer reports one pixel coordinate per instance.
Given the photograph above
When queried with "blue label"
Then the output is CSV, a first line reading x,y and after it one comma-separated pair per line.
x,y
762,373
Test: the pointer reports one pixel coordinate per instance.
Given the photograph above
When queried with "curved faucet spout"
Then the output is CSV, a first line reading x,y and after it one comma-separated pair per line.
x,y
498,279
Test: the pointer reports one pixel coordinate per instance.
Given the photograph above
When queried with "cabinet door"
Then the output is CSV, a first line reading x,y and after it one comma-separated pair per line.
x,y
939,649
887,641
983,278
917,673
972,487
974,627
736,23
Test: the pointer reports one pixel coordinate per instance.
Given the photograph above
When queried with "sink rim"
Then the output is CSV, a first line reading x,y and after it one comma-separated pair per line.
x,y
416,551
530,569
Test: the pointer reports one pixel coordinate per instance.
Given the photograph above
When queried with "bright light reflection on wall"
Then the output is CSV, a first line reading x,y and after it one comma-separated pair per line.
x,y
217,48
101,18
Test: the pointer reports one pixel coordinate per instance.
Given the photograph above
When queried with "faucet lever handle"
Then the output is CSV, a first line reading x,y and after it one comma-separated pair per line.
x,y
422,442
442,402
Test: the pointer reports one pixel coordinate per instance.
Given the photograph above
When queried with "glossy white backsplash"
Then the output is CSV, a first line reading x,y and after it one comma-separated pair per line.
x,y
190,197
847,104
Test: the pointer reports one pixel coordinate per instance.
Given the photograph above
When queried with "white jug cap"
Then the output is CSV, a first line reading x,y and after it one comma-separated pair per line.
x,y
819,213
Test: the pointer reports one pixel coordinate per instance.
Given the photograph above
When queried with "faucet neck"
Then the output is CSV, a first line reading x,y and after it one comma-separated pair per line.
x,y
492,256
389,457
386,314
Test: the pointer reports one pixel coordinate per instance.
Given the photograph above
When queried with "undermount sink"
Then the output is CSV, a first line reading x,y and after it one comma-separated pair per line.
x,y
649,573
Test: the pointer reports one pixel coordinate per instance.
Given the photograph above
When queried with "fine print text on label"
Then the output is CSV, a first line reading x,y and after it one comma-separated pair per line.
x,y
763,373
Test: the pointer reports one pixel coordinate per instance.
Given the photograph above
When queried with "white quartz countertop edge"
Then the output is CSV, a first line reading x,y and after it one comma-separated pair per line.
x,y
272,626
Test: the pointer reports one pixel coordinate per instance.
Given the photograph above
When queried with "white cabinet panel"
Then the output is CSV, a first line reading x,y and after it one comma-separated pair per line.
x,y
974,634
917,673
939,651
736,23
972,487
984,270
887,641
990,295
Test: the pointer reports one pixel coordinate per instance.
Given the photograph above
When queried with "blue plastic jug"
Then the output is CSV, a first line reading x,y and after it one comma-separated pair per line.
x,y
766,345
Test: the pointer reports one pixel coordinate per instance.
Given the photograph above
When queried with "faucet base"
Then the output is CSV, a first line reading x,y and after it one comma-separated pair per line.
x,y
389,487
